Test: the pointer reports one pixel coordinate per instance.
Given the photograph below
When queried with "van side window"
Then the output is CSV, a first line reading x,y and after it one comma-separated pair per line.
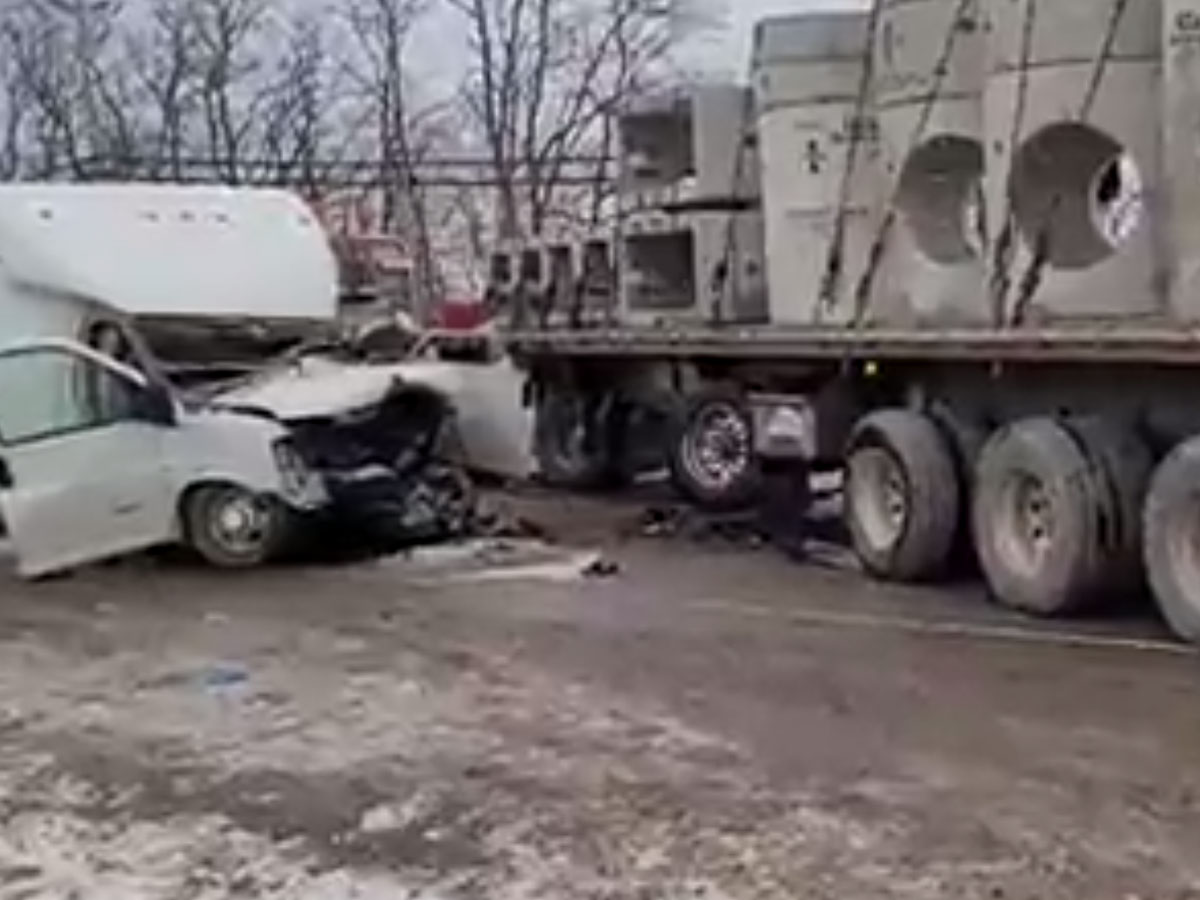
x,y
50,392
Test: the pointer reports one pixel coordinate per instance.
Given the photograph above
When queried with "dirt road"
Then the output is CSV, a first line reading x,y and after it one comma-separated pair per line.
x,y
713,722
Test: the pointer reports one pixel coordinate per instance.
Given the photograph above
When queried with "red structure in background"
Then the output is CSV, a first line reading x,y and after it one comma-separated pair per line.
x,y
461,315
368,258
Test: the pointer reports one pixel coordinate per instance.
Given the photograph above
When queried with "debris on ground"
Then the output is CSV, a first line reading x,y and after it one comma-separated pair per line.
x,y
490,560
602,568
780,521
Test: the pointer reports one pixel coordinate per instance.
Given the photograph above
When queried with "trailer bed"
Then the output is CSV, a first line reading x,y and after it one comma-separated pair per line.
x,y
1155,345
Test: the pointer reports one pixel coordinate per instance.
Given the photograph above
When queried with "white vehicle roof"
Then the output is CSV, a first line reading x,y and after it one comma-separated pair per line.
x,y
170,250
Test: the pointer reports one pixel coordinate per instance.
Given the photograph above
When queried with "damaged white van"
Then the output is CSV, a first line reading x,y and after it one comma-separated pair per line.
x,y
99,456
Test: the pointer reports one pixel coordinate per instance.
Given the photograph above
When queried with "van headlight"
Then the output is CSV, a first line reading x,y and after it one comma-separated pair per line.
x,y
293,470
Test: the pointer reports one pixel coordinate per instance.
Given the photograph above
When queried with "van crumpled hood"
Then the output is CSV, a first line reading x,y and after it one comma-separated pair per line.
x,y
314,388
485,401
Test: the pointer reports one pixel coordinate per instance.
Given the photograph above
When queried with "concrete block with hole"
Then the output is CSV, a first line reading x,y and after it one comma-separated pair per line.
x,y
819,148
693,268
1073,165
929,71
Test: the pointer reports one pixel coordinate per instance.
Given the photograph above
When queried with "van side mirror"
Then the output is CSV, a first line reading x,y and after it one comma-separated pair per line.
x,y
154,403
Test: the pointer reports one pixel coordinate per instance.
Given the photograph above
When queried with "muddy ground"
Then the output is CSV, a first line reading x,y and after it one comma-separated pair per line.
x,y
713,721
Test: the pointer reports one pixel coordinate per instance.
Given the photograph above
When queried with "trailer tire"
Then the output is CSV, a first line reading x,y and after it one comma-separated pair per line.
x,y
1037,516
572,442
1172,539
902,496
1124,466
713,460
231,527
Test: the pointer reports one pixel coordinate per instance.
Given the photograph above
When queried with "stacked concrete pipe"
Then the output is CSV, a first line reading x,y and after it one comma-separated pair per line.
x,y
818,146
1073,169
929,80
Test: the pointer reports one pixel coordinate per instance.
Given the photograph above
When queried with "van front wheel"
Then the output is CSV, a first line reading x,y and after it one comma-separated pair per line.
x,y
233,528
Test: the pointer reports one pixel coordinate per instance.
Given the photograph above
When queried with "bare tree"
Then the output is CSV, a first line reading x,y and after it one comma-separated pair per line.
x,y
57,53
12,102
297,105
164,67
405,133
228,36
547,77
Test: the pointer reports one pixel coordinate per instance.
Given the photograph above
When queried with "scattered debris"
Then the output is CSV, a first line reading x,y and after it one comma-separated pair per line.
x,y
601,568
220,677
380,820
491,561
800,516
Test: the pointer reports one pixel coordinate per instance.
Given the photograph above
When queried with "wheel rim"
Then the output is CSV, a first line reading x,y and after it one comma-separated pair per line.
x,y
1027,524
717,449
879,494
1183,546
240,523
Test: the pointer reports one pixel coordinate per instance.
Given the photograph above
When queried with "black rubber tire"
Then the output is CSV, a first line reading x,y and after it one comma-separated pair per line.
x,y
1043,456
566,457
745,489
201,511
966,437
1125,466
918,547
1172,539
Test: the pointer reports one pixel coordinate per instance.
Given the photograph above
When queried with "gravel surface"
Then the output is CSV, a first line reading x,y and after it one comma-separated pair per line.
x,y
692,718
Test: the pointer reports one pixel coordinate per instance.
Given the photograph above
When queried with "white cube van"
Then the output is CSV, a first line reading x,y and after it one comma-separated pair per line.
x,y
98,455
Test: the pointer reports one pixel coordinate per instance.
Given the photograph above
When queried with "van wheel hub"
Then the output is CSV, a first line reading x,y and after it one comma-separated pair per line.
x,y
240,523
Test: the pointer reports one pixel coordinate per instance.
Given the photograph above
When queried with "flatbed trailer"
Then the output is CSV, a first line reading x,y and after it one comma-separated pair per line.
x,y
976,293
1117,344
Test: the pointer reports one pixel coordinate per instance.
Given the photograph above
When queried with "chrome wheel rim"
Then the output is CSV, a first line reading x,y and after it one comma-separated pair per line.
x,y
718,448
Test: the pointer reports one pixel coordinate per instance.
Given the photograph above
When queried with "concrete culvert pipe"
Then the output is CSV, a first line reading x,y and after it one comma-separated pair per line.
x,y
939,199
817,148
1076,189
1074,159
930,73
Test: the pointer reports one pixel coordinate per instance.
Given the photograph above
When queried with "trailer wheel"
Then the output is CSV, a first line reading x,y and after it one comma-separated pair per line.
x,y
713,462
572,441
233,528
1037,517
902,496
1124,466
1172,539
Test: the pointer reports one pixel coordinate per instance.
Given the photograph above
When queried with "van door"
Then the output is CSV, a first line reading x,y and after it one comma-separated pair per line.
x,y
83,476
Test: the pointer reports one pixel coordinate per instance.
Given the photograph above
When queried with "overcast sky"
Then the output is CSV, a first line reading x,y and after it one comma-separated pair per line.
x,y
725,53
734,47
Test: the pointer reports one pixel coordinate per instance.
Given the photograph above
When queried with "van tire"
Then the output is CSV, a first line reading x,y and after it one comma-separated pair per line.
x,y
234,528
906,535
1172,539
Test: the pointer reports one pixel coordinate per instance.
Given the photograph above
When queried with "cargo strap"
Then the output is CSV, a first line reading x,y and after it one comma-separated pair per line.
x,y
1002,252
835,260
1031,279
725,275
866,283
